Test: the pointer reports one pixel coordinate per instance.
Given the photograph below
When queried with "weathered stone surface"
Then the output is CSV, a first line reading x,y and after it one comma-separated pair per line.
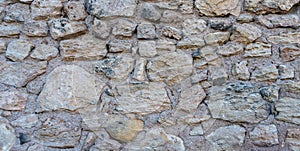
x,y
140,69
264,135
35,28
241,71
44,52
218,75
108,144
123,129
16,12
18,50
117,45
191,42
269,6
10,30
285,38
265,73
111,8
269,93
193,26
204,56
166,45
292,139
220,24
218,8
116,67
170,16
245,18
69,87
2,47
42,9
59,130
156,139
146,31
64,28
230,49
258,49
170,67
124,27
245,33
288,110
186,6
19,74
286,72
13,100
27,121
217,37
198,130
289,52
190,99
172,32
147,98
101,29
7,135
147,48
85,47
237,102
273,21
149,12
226,138
75,10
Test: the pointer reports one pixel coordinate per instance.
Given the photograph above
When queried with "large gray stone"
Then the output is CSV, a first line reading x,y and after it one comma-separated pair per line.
x,y
288,110
293,139
149,12
269,6
86,47
124,27
111,8
13,100
19,74
69,87
16,12
274,21
18,50
230,49
218,8
7,135
267,72
285,38
258,49
44,52
193,26
10,30
35,28
43,9
245,33
171,68
264,135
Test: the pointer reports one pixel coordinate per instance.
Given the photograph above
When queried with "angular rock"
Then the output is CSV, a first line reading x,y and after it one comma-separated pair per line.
x,y
59,130
237,102
147,98
100,29
75,10
191,42
206,55
117,45
16,12
171,68
193,26
18,50
289,52
7,135
166,45
269,93
241,71
218,8
69,87
293,139
44,52
230,49
258,49
265,73
245,33
274,21
123,129
111,8
85,47
170,16
264,135
27,121
288,110
35,28
10,30
64,28
19,74
146,31
269,6
2,47
245,18
108,144
147,48
13,100
217,37
172,32
43,9
140,69
198,130
220,24
118,67
286,72
186,6
124,28
226,138
218,74
149,12
285,38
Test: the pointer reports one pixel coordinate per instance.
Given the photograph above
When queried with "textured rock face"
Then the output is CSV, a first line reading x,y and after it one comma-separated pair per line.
x,y
69,87
288,109
269,6
264,135
13,100
18,50
7,135
218,7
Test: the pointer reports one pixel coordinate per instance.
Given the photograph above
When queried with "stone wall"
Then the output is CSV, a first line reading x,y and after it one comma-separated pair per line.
x,y
195,75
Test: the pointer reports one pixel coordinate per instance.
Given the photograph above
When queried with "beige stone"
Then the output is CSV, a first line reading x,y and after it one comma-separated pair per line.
x,y
172,32
245,33
75,10
35,28
292,139
193,26
288,109
18,50
218,7
285,38
13,100
269,6
42,9
258,49
274,21
241,71
124,27
264,135
289,52
230,49
44,52
147,48
267,72
216,38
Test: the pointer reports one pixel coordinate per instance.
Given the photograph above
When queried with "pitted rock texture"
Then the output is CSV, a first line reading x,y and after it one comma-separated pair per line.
x,y
177,75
